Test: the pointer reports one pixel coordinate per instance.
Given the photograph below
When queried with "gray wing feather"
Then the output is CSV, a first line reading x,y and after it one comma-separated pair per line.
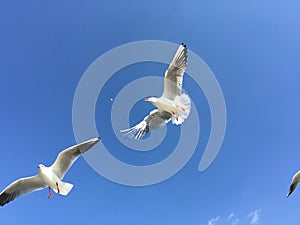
x,y
174,74
21,187
156,119
67,157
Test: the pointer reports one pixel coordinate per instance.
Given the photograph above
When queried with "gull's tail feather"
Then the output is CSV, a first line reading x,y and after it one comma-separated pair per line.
x,y
64,188
183,104
177,120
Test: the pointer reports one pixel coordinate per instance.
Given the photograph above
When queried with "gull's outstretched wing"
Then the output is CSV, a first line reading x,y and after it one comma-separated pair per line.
x,y
67,157
21,187
156,119
174,74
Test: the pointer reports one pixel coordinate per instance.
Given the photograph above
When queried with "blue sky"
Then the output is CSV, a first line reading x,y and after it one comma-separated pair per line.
x,y
253,48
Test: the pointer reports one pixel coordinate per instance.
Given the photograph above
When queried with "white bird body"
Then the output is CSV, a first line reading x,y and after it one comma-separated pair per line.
x,y
180,110
51,180
163,103
50,177
173,104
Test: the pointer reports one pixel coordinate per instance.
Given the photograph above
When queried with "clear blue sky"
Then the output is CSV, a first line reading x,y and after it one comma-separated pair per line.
x,y
253,48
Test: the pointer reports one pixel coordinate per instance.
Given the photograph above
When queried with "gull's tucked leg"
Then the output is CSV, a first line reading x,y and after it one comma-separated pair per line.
x,y
49,193
174,114
58,191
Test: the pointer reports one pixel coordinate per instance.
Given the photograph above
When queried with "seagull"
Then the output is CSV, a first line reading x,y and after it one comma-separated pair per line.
x,y
172,105
48,176
295,181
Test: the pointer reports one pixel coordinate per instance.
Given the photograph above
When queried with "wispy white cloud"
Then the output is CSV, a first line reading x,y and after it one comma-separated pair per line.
x,y
230,216
254,216
232,219
214,221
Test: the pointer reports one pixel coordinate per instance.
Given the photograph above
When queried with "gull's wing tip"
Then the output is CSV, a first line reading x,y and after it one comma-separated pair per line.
x,y
184,45
96,139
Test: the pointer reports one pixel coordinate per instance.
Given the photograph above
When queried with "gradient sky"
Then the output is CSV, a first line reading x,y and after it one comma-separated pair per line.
x,y
253,48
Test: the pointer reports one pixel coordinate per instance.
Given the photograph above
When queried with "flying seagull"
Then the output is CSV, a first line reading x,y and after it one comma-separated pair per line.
x,y
295,181
173,104
48,176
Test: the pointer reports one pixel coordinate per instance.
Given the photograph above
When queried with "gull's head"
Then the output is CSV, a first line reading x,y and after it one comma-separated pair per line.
x,y
151,99
41,166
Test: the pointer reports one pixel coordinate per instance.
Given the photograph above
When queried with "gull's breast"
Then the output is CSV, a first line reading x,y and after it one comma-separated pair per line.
x,y
49,177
